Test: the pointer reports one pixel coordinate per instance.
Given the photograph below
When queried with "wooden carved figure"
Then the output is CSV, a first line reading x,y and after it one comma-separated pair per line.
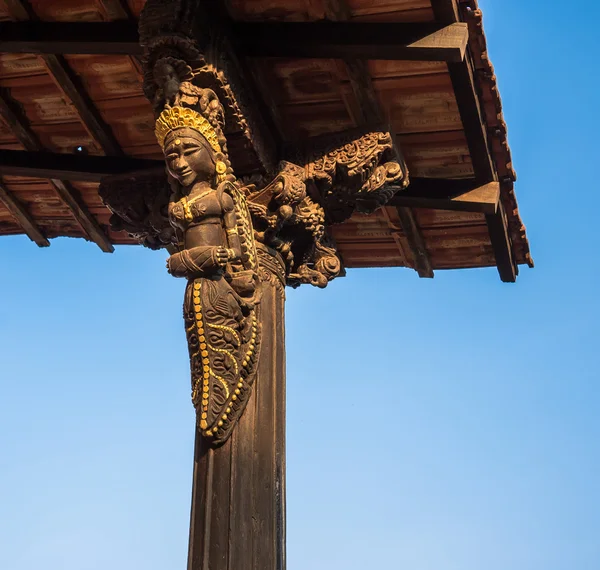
x,y
217,255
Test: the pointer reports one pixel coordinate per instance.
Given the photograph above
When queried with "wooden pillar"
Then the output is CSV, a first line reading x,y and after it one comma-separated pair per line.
x,y
238,497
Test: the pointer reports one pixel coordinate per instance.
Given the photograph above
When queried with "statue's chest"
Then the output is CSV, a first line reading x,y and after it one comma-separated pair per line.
x,y
195,209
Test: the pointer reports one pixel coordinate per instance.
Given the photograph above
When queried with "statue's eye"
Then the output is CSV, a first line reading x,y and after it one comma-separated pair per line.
x,y
191,150
172,156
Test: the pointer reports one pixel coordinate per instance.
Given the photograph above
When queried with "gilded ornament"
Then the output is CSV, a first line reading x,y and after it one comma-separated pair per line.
x,y
178,117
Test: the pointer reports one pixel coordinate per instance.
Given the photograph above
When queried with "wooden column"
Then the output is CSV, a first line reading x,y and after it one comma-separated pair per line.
x,y
238,497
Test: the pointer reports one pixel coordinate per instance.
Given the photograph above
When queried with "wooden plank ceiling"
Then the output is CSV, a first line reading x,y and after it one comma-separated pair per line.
x,y
446,115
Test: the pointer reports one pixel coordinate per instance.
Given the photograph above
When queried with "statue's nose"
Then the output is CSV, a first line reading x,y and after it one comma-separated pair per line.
x,y
180,163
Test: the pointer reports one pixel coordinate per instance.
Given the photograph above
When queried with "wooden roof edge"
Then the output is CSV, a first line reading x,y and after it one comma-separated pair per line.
x,y
497,129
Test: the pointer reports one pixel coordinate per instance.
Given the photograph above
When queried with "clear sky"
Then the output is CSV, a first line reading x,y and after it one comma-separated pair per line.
x,y
433,425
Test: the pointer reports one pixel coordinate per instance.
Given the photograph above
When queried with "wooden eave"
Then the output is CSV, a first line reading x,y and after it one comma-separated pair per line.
x,y
447,117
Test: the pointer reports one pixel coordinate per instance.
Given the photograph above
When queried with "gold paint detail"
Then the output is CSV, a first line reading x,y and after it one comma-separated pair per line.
x,y
178,117
223,383
226,353
226,329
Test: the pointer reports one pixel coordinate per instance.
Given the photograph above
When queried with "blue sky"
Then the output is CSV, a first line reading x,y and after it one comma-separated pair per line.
x,y
432,425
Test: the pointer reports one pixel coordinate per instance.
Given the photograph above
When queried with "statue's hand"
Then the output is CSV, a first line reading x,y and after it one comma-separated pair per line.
x,y
223,255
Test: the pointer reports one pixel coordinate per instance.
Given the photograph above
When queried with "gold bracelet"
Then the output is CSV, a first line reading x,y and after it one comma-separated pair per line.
x,y
232,231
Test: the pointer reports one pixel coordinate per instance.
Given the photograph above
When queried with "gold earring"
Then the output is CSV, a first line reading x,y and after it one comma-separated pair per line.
x,y
221,169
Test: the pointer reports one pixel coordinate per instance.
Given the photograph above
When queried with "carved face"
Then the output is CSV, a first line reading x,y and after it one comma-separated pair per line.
x,y
188,156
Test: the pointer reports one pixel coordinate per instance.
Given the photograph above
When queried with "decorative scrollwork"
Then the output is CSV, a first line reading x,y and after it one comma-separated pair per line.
x,y
140,207
325,184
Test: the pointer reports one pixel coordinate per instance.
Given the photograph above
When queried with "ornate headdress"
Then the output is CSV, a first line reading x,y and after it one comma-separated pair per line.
x,y
177,117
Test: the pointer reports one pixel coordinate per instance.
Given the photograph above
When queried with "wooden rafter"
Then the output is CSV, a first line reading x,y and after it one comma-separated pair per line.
x,y
116,9
72,166
22,216
371,111
71,86
498,228
415,238
19,9
68,82
368,108
467,98
68,194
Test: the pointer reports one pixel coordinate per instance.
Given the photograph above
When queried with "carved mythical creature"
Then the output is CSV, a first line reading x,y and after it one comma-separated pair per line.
x,y
218,257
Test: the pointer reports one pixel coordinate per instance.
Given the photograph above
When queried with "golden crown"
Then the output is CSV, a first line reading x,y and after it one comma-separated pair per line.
x,y
177,117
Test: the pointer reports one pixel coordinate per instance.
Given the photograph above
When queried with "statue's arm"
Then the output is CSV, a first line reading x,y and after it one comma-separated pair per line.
x,y
230,223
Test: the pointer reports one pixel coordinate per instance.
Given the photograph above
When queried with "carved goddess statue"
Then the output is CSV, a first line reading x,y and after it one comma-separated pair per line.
x,y
218,257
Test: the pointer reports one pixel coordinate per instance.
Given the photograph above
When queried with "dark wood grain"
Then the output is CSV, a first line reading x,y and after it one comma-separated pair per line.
x,y
219,544
116,9
362,86
71,86
413,234
27,160
498,228
263,490
19,9
72,198
20,213
238,502
16,122
201,503
241,511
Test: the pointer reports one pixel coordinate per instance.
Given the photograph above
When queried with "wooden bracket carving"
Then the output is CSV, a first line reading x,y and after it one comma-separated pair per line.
x,y
139,206
329,179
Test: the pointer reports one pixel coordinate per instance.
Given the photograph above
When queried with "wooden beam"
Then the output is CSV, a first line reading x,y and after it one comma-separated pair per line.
x,y
24,219
90,225
446,11
69,195
89,115
14,122
337,10
20,9
326,39
366,98
102,38
414,41
72,166
467,98
456,195
116,9
498,228
413,234
473,122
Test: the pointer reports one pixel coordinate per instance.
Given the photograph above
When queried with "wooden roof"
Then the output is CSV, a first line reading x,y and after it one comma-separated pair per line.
x,y
447,118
